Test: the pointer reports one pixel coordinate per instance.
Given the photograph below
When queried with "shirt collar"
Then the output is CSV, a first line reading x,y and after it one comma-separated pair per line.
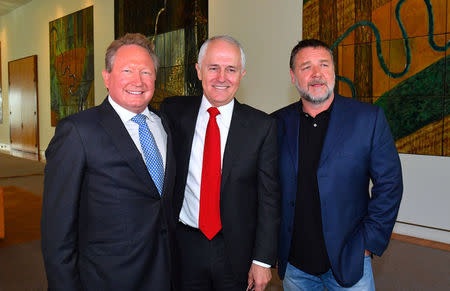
x,y
326,111
124,114
226,111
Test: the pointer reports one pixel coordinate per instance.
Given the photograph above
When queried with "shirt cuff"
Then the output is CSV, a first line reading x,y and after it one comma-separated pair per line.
x,y
260,264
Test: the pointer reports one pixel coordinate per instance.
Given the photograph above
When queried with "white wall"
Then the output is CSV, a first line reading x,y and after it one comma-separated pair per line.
x,y
267,30
25,32
425,206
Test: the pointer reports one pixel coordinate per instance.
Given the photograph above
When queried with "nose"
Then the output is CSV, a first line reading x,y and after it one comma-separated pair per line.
x,y
221,75
316,71
137,79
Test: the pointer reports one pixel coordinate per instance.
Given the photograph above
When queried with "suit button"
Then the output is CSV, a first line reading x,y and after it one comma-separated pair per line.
x,y
292,203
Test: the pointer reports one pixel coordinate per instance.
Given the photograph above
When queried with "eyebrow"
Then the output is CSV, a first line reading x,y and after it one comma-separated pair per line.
x,y
320,61
217,65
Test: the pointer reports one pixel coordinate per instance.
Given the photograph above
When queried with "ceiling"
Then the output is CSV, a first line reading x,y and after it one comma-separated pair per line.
x,y
7,6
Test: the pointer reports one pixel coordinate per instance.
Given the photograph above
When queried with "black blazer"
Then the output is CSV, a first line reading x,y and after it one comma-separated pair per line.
x,y
104,225
249,195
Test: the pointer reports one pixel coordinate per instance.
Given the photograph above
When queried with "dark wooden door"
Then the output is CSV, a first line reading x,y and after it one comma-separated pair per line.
x,y
23,100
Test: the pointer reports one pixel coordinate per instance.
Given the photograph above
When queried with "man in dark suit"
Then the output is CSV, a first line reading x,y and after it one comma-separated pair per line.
x,y
107,221
329,149
226,193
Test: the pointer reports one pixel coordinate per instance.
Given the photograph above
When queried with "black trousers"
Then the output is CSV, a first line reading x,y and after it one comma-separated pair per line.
x,y
203,263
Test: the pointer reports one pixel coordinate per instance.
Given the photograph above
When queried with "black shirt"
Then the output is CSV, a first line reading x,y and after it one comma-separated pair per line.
x,y
308,252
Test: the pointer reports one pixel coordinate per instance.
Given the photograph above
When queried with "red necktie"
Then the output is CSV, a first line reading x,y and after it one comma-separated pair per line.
x,y
209,217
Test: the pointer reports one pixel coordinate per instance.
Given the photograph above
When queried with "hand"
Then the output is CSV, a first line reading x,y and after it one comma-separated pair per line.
x,y
258,277
367,253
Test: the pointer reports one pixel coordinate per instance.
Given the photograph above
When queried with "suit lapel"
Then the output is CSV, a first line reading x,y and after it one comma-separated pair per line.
x,y
125,146
238,130
187,124
170,162
292,123
335,128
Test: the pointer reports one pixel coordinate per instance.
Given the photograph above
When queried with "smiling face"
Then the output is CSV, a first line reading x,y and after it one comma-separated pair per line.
x,y
313,75
220,72
131,82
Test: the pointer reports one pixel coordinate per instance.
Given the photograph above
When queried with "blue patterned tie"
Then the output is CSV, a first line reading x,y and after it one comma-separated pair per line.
x,y
152,156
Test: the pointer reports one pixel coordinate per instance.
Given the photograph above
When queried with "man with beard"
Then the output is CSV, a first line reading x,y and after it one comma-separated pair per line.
x,y
329,148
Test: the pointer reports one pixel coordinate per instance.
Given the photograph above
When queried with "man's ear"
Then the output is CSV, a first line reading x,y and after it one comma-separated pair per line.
x,y
199,74
292,76
243,73
106,76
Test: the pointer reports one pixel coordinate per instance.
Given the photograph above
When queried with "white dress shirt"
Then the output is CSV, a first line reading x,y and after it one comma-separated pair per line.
x,y
191,204
153,123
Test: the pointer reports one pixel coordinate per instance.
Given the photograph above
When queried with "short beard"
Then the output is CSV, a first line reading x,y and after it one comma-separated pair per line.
x,y
315,100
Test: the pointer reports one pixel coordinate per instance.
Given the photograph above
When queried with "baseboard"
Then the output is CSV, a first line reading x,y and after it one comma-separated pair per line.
x,y
422,233
25,155
421,242
42,156
5,147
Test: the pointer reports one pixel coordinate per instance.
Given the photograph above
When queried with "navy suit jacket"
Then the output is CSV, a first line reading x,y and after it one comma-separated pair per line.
x,y
358,147
104,225
249,191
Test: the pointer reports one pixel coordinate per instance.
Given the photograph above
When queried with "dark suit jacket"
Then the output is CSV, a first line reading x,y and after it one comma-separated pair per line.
x,y
249,193
358,146
104,225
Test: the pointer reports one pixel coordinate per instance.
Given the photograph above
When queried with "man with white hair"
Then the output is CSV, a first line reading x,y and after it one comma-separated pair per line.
x,y
226,192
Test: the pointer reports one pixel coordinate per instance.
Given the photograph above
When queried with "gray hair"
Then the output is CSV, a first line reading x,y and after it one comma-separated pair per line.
x,y
129,39
229,39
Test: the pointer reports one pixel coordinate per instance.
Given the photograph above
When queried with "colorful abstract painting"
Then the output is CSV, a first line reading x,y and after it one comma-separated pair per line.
x,y
177,28
393,53
1,88
71,64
